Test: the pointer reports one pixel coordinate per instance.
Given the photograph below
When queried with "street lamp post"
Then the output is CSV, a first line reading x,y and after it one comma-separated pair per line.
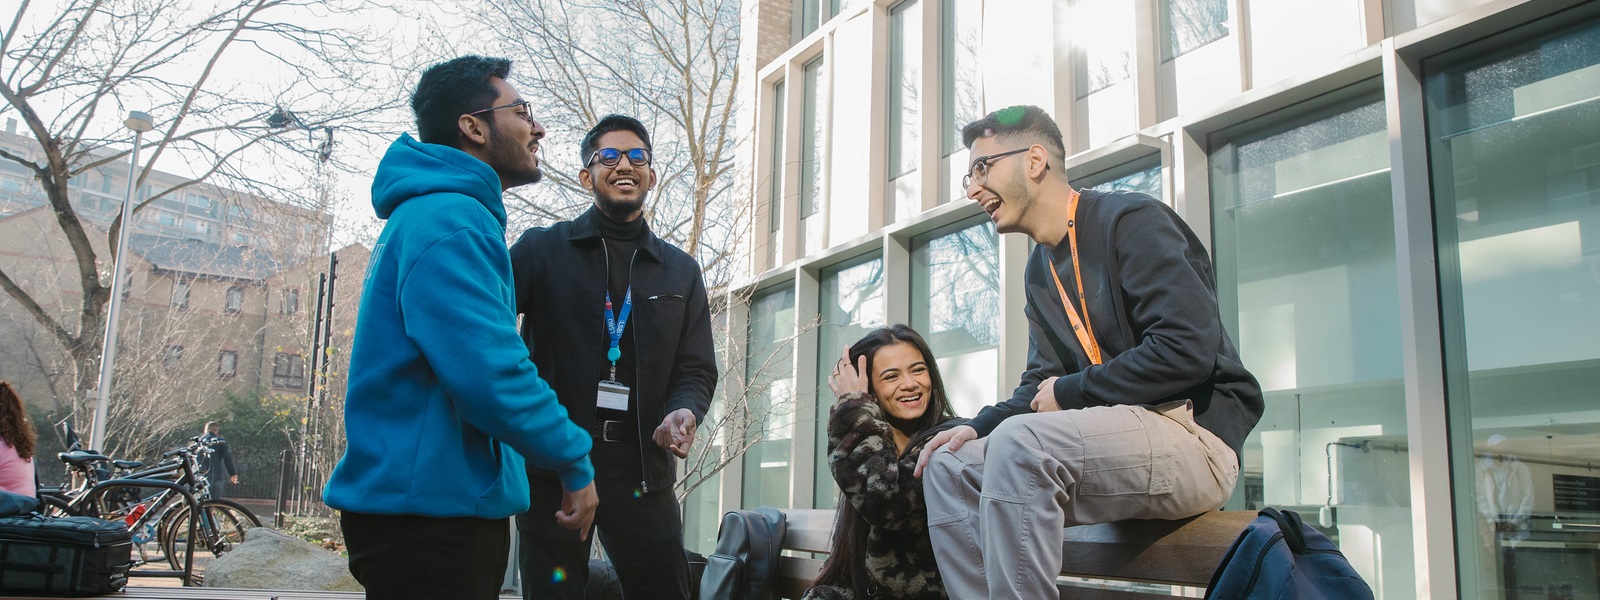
x,y
139,122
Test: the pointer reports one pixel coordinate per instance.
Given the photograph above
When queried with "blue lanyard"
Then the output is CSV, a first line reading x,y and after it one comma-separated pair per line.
x,y
615,326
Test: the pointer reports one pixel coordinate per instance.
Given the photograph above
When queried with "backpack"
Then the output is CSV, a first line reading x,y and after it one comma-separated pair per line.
x,y
745,561
1279,556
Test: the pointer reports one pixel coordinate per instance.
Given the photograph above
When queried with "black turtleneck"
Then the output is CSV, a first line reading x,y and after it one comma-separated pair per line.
x,y
621,240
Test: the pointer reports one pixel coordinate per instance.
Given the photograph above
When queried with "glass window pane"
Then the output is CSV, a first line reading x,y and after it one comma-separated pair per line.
x,y
1516,172
1308,285
955,305
1103,36
769,383
961,89
851,303
905,79
775,177
1191,24
811,142
1143,175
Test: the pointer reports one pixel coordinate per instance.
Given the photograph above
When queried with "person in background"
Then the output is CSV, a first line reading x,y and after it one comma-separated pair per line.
x,y
890,401
17,444
220,460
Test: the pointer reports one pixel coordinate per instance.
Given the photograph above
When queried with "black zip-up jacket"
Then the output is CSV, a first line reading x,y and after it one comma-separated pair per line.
x,y
1152,300
560,274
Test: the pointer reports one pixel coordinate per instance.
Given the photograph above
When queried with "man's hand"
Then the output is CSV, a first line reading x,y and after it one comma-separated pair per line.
x,y
676,432
577,510
233,479
1045,400
954,436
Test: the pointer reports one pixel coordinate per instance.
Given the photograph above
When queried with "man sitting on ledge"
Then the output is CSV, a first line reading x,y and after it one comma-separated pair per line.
x,y
1134,404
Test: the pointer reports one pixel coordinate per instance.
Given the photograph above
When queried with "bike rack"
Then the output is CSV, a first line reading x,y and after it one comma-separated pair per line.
x,y
187,574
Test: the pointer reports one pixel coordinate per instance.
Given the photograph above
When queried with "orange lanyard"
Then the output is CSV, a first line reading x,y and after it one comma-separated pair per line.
x,y
1080,327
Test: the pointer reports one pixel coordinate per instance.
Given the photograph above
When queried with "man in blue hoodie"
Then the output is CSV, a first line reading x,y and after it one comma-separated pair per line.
x,y
443,403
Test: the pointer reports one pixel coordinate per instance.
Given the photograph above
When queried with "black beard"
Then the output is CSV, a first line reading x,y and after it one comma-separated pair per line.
x,y
619,209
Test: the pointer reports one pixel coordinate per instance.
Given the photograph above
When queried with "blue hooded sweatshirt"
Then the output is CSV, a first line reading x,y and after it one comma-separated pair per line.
x,y
442,397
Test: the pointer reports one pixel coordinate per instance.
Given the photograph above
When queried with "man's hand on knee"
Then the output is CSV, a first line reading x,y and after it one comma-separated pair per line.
x,y
955,437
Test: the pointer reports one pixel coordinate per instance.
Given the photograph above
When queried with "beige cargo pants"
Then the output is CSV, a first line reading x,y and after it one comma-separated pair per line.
x,y
997,506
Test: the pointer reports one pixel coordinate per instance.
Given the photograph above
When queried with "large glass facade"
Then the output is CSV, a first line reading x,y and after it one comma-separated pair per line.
x,y
850,304
1514,129
768,397
1308,286
955,305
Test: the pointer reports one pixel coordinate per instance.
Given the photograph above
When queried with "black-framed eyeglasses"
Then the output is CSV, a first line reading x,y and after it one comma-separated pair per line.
x,y
526,113
979,172
611,156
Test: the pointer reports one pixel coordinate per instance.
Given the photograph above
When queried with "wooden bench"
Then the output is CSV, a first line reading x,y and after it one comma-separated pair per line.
x,y
1165,553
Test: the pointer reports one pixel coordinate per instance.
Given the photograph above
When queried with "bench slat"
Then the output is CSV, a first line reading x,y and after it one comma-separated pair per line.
x,y
808,530
1173,552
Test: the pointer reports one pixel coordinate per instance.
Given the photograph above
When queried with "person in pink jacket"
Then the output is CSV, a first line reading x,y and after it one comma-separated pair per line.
x,y
17,442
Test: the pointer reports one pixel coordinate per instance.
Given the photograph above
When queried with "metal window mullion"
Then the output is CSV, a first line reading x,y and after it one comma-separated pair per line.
x,y
1421,348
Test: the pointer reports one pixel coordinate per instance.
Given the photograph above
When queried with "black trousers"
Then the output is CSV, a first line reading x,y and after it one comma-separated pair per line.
x,y
411,556
641,532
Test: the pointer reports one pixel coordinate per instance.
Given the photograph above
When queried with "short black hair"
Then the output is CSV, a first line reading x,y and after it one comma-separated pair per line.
x,y
608,124
1019,123
453,88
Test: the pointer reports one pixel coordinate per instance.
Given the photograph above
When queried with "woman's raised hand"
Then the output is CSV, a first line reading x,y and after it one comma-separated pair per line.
x,y
847,378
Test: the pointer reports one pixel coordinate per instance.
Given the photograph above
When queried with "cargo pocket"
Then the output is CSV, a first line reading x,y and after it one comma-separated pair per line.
x,y
1124,453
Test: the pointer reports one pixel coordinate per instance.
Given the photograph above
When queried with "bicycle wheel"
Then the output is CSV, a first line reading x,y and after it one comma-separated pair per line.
x,y
221,528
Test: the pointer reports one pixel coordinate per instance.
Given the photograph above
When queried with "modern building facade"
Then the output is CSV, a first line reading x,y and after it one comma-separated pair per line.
x,y
1402,198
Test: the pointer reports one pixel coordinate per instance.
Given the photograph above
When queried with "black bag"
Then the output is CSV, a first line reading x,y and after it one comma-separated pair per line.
x,y
745,561
67,556
1280,557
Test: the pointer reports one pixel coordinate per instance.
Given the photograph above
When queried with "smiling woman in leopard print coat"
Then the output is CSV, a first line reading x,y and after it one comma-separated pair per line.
x,y
875,432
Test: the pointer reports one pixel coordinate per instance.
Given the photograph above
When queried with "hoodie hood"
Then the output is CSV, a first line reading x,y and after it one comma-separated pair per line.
x,y
411,169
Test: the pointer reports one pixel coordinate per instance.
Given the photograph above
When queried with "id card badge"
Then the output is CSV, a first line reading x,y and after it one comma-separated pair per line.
x,y
612,395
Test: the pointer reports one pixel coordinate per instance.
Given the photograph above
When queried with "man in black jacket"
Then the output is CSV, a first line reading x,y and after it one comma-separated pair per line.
x,y
219,469
618,322
1134,403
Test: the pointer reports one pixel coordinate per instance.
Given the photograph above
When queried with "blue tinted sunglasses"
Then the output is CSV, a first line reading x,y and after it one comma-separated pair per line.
x,y
611,156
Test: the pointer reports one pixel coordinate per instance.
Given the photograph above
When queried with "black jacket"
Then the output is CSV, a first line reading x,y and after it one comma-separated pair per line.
x,y
560,274
1152,300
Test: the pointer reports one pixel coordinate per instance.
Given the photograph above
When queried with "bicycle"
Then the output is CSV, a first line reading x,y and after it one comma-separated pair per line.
x,y
160,517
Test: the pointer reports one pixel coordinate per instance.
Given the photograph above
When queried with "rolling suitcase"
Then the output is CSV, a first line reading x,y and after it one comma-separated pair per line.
x,y
67,556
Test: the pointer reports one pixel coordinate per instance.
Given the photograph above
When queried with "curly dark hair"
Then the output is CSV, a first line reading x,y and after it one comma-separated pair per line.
x,y
451,89
15,428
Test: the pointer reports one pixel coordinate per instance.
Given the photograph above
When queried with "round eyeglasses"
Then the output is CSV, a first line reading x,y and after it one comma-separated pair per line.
x,y
525,114
611,156
979,173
